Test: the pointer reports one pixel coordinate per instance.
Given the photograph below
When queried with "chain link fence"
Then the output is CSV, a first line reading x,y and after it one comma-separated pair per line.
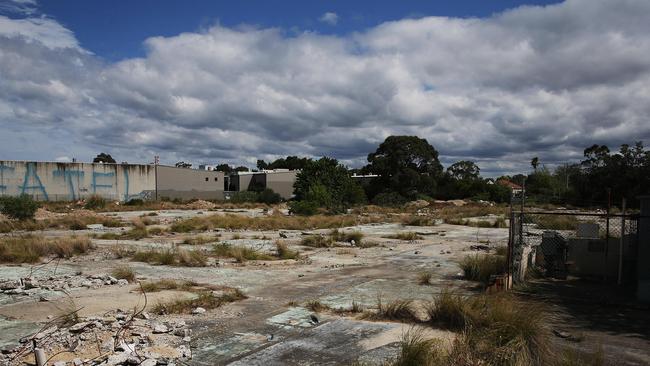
x,y
559,244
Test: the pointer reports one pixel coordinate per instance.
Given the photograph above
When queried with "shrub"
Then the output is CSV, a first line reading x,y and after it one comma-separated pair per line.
x,y
94,202
134,202
390,199
480,267
22,207
304,208
556,222
124,273
269,197
245,196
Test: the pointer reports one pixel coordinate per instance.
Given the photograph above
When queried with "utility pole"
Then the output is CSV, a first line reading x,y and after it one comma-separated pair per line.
x,y
156,161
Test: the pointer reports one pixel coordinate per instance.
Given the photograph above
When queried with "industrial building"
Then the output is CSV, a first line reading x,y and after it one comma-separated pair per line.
x,y
279,180
54,181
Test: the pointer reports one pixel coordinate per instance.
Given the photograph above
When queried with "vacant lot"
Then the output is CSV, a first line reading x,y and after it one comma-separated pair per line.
x,y
251,285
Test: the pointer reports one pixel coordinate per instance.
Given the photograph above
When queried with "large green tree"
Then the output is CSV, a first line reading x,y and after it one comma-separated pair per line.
x,y
407,165
327,184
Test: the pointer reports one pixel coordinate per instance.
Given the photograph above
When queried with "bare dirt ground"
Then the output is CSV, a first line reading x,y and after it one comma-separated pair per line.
x,y
273,325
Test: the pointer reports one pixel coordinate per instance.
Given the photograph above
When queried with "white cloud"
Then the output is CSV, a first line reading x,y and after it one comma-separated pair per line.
x,y
42,30
20,7
329,18
534,81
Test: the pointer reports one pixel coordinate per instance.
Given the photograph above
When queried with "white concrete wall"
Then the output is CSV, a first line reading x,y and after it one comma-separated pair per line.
x,y
72,181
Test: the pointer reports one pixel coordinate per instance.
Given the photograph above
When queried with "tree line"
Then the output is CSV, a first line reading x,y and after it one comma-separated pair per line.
x,y
408,168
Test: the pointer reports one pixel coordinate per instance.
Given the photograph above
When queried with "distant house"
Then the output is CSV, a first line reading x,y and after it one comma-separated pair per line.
x,y
513,186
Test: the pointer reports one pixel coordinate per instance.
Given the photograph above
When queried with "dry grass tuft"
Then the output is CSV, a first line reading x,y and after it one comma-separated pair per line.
x,y
167,284
124,273
317,241
418,220
453,311
416,350
284,252
398,310
349,237
316,306
424,278
203,299
408,235
30,248
480,267
239,253
172,257
275,222
199,240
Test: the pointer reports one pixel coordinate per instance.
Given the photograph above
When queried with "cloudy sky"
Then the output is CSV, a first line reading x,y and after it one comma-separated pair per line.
x,y
497,82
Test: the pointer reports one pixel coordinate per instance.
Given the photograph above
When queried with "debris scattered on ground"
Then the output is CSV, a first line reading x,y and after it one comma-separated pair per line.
x,y
35,286
115,338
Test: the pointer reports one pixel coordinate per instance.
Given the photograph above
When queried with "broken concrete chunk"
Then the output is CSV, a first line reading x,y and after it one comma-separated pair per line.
x,y
122,282
198,310
160,328
79,327
30,283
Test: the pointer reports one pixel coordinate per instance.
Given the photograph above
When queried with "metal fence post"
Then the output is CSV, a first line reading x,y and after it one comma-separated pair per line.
x,y
620,245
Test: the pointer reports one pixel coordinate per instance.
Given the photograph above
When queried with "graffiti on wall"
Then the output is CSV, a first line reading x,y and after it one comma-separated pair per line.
x,y
3,168
69,176
68,179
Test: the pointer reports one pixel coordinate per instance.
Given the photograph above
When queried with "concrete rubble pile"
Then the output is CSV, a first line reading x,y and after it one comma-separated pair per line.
x,y
116,338
38,285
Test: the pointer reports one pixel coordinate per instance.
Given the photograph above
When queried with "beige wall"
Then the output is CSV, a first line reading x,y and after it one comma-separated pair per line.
x,y
72,181
189,183
281,182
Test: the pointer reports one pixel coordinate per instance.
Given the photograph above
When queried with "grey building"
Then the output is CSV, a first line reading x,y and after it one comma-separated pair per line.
x,y
184,183
279,180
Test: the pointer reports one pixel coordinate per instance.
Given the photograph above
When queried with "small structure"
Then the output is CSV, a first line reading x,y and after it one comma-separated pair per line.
x,y
279,180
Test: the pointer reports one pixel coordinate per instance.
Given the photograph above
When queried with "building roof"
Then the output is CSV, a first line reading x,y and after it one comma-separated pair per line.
x,y
509,184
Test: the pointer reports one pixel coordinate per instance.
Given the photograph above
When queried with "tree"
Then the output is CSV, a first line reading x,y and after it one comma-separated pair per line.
x,y
326,183
464,170
182,164
262,165
104,158
290,162
407,165
224,168
534,163
241,169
